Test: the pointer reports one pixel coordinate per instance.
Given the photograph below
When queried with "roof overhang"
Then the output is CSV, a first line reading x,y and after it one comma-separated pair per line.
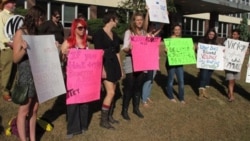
x,y
204,6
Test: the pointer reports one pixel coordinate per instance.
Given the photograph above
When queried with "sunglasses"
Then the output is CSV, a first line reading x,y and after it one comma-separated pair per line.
x,y
80,28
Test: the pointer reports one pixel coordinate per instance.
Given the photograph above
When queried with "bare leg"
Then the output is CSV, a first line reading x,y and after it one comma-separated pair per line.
x,y
21,119
110,92
33,117
231,84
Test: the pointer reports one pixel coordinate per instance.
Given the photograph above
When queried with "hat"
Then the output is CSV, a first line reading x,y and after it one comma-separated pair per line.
x,y
3,2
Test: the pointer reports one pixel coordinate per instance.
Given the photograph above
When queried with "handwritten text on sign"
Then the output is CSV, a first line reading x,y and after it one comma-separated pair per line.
x,y
84,69
180,51
158,11
45,66
210,57
248,72
234,54
145,52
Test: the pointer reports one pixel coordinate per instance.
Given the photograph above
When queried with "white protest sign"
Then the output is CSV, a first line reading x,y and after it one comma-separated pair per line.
x,y
158,11
12,25
45,66
248,72
235,51
210,57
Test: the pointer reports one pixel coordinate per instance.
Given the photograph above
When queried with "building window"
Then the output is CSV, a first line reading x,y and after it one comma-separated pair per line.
x,y
69,15
223,29
193,27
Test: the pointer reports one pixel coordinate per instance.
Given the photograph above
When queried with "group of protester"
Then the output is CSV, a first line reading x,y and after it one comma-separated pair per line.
x,y
137,85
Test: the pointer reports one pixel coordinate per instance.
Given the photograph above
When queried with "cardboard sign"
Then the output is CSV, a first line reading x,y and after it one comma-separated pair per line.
x,y
158,11
84,69
210,57
145,53
235,51
180,51
45,66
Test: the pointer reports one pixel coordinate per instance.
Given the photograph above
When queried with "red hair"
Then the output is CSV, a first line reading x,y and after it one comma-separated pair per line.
x,y
72,38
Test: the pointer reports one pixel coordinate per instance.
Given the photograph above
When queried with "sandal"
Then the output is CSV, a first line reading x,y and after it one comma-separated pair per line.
x,y
149,100
145,104
173,100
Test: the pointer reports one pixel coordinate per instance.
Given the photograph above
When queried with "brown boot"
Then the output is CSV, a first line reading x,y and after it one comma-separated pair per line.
x,y
201,93
205,94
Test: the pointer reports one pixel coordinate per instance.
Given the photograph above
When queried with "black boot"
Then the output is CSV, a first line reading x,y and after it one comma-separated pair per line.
x,y
125,104
104,120
111,111
124,114
136,103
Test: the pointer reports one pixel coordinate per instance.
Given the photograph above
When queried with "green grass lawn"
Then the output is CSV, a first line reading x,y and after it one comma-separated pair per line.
x,y
214,119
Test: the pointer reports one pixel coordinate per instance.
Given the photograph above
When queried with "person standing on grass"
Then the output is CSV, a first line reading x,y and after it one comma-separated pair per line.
x,y
109,41
178,70
8,71
28,111
154,31
231,76
134,80
77,114
205,74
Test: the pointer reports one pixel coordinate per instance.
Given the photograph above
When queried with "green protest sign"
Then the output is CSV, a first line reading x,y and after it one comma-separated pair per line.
x,y
180,51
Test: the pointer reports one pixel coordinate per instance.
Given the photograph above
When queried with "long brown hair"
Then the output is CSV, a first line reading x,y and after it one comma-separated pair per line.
x,y
132,26
31,19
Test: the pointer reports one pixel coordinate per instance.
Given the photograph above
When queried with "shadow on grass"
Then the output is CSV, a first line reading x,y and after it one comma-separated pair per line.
x,y
1,125
58,109
161,80
237,88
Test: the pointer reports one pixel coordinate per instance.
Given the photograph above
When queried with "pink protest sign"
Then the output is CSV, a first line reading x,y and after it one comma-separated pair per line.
x,y
145,53
84,68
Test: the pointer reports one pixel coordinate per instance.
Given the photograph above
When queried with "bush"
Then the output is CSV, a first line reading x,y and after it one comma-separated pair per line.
x,y
21,11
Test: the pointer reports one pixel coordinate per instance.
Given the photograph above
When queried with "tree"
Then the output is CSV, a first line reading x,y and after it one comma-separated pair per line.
x,y
243,27
131,6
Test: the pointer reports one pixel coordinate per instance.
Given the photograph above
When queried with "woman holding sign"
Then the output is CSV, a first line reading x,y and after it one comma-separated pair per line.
x,y
232,76
134,80
205,74
178,70
77,114
109,41
27,111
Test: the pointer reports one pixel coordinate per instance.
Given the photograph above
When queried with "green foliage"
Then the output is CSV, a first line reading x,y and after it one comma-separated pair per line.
x,y
244,33
20,11
139,5
121,28
96,24
132,6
